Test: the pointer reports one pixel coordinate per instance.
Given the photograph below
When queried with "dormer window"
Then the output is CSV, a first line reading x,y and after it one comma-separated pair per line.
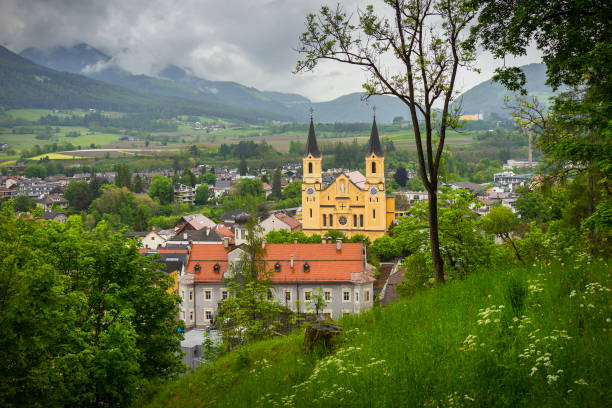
x,y
217,268
306,267
197,268
277,267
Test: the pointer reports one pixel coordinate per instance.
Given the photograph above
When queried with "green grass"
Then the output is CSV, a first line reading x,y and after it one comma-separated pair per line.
x,y
431,351
35,114
20,141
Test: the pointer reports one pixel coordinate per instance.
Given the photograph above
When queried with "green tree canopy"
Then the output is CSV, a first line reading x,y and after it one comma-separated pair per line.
x,y
161,188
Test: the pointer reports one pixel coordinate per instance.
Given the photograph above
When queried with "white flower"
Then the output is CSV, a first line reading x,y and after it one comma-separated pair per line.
x,y
572,294
580,382
551,378
533,371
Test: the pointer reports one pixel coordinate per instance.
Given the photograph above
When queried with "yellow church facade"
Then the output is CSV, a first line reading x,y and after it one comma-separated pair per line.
x,y
352,203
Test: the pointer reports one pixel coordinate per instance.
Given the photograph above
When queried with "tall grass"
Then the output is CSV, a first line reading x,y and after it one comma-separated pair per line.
x,y
532,336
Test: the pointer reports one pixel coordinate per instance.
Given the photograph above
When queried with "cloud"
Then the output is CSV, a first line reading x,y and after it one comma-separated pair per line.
x,y
251,42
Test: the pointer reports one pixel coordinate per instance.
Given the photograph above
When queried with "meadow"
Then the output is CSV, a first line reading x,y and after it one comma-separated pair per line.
x,y
533,336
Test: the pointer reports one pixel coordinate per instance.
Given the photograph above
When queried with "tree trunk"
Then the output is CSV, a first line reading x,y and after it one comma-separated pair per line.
x,y
438,263
320,334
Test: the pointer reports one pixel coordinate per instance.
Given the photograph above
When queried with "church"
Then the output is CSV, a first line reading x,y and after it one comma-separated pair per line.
x,y
352,203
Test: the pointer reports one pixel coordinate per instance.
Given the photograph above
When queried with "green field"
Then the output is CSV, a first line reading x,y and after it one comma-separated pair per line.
x,y
512,337
21,141
35,114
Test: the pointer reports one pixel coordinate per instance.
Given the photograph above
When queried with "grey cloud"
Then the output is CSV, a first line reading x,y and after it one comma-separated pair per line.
x,y
247,41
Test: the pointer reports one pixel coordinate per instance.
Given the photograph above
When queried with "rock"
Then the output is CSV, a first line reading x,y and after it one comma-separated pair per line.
x,y
320,334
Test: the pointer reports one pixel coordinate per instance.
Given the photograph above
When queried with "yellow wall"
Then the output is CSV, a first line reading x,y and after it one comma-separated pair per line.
x,y
343,200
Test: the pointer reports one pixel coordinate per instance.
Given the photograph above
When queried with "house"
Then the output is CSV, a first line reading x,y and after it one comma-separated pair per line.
x,y
235,221
193,222
280,221
55,216
173,262
267,189
338,269
153,239
52,199
222,187
473,188
184,193
203,236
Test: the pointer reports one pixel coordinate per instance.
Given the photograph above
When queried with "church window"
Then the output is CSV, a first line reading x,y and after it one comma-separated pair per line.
x,y
342,187
354,220
311,213
324,220
373,167
309,168
331,220
361,220
373,213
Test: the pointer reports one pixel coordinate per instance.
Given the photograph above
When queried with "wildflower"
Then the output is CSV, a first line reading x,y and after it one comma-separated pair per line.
x,y
533,371
580,382
572,293
551,378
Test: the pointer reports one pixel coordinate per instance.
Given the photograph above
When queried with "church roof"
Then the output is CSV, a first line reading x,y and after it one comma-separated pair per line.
x,y
311,143
374,142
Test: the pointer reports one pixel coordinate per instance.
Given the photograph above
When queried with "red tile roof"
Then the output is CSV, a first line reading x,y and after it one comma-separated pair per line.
x,y
224,231
326,264
290,221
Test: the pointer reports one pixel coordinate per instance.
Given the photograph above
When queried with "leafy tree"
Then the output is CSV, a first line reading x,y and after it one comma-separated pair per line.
x,y
188,178
161,188
141,218
208,178
36,170
248,313
398,119
100,324
276,185
123,178
194,151
401,176
202,194
317,300
501,221
79,195
242,169
248,187
139,184
293,190
386,248
427,59
23,203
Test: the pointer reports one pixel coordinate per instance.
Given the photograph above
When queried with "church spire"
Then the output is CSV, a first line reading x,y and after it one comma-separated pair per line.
x,y
311,143
374,142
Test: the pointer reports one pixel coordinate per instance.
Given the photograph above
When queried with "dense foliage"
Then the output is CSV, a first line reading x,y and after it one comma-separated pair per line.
x,y
85,320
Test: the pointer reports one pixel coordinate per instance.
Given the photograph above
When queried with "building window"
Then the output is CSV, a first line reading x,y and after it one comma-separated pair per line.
x,y
277,267
224,294
216,268
306,295
354,220
190,296
270,295
309,168
374,214
183,294
190,316
327,296
306,267
331,220
197,268
373,167
207,295
346,296
288,296
356,296
311,213
361,220
366,295
324,220
208,315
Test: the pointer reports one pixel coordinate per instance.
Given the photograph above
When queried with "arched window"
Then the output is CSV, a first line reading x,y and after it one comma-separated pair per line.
x,y
373,167
197,268
306,267
309,168
277,267
216,268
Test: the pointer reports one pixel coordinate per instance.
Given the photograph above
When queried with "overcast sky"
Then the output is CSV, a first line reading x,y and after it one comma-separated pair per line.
x,y
247,41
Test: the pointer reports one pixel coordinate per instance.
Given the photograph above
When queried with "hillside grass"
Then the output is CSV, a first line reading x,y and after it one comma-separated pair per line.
x,y
20,141
532,336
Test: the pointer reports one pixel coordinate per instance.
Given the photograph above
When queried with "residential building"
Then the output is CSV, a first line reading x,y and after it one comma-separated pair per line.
x,y
280,221
338,270
184,193
193,222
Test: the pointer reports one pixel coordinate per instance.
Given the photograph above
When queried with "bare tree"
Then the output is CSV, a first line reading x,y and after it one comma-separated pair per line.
x,y
414,54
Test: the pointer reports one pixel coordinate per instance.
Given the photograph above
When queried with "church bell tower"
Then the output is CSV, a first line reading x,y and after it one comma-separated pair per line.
x,y
311,181
375,203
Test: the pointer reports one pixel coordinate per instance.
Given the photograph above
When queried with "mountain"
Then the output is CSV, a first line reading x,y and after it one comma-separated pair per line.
x,y
180,82
24,84
488,97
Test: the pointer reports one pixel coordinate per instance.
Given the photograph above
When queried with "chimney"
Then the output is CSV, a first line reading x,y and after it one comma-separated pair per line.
x,y
324,240
225,242
295,240
339,244
263,243
291,262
